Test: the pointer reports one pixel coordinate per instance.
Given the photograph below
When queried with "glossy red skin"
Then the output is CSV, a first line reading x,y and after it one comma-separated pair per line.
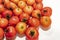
x,y
0,1
1,8
39,1
3,22
48,13
24,16
34,22
1,33
28,9
38,6
0,16
29,37
10,32
13,20
36,14
7,13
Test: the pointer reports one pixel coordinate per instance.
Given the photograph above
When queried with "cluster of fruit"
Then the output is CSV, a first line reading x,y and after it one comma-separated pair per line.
x,y
23,17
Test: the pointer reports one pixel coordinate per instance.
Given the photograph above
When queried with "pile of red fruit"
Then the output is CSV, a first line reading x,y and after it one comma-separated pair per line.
x,y
23,17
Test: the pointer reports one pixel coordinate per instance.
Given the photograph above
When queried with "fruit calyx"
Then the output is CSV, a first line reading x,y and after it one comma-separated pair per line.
x,y
32,33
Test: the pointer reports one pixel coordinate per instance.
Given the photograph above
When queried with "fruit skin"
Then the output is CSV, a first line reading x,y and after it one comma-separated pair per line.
x,y
38,6
45,22
21,4
7,14
24,17
17,11
39,1
30,2
32,33
34,22
36,13
23,0
1,8
10,32
46,11
13,20
10,5
20,28
28,9
0,16
0,1
15,1
1,33
3,22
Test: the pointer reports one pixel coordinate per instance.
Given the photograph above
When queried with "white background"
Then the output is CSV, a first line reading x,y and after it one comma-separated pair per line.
x,y
54,32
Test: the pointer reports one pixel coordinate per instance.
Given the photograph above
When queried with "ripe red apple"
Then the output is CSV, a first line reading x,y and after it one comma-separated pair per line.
x,y
1,33
10,32
20,28
1,8
7,14
32,33
3,22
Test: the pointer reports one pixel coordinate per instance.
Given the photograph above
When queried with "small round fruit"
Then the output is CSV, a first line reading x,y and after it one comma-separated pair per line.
x,y
38,6
1,8
3,22
15,1
45,22
21,27
11,5
39,1
21,4
13,20
30,2
32,33
1,33
7,3
7,14
28,9
34,22
17,11
24,17
36,13
10,32
47,11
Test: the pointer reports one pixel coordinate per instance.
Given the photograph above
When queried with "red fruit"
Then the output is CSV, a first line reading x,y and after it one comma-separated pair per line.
x,y
39,1
15,1
32,34
21,4
28,9
13,20
36,13
20,28
17,11
0,1
1,33
24,17
46,11
34,22
30,2
38,6
45,22
0,16
10,32
3,22
1,8
7,14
